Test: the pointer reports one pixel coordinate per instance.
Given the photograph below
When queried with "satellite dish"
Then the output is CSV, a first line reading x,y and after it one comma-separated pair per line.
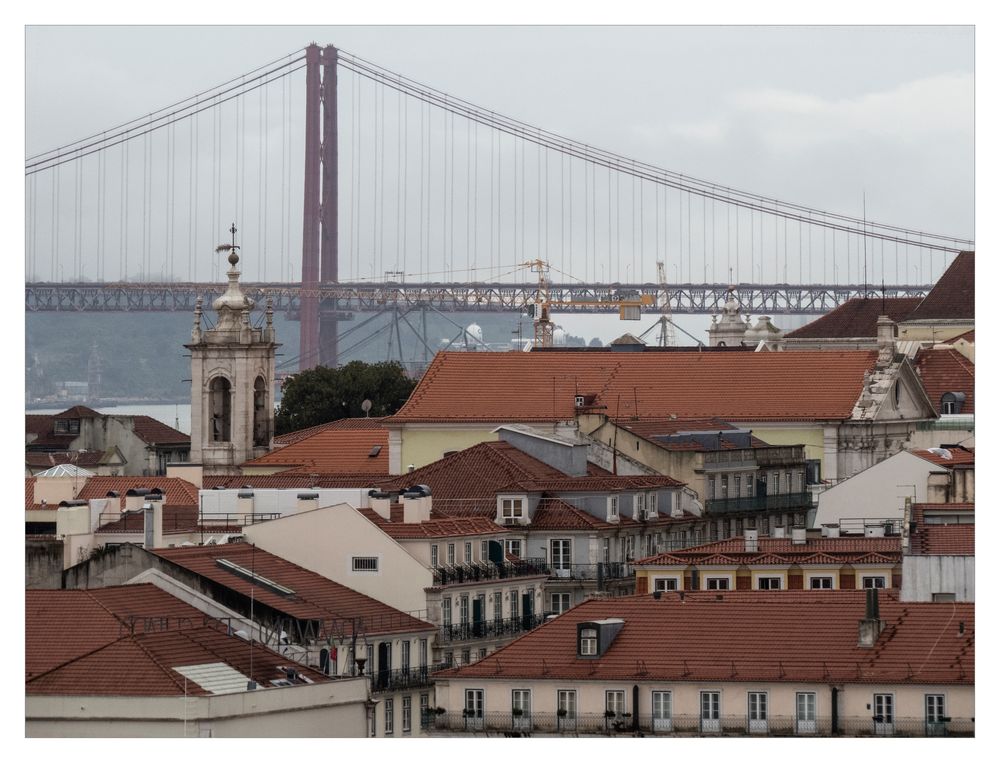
x,y
366,405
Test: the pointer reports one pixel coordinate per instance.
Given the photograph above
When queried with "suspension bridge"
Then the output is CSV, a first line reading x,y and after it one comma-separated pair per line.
x,y
409,198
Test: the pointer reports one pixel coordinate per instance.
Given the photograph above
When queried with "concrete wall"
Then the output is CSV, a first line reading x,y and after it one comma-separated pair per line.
x,y
567,458
324,540
334,709
925,575
43,563
282,501
877,492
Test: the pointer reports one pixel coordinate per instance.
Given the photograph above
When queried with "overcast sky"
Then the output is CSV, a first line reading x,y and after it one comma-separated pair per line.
x,y
814,115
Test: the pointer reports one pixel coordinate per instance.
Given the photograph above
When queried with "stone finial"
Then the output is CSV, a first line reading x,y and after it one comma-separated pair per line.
x,y
196,329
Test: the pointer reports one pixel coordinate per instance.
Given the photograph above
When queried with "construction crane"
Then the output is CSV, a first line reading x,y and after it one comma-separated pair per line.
x,y
629,309
667,337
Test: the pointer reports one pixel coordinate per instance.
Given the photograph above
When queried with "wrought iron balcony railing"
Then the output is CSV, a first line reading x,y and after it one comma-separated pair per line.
x,y
511,723
403,678
759,503
491,629
600,571
471,573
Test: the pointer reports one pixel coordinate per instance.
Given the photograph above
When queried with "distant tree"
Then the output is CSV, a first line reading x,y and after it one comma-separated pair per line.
x,y
596,342
324,394
575,341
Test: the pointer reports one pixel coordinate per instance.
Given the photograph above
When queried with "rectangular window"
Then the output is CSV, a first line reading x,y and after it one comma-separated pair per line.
x,y
474,707
407,709
498,605
560,557
588,642
466,656
823,582
934,714
651,503
738,482
424,710
607,550
662,710
665,584
482,653
423,653
883,714
711,488
724,493
750,481
805,712
566,704
769,584
468,553
709,711
612,506
511,508
756,711
874,581
513,547
364,563
614,702
434,555
520,706
717,584
404,658
788,482
446,611
451,554
484,551
515,604
463,608
774,482
943,597
640,504
560,602
388,717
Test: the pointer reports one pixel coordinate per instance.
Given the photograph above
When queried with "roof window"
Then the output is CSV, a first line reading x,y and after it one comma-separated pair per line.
x,y
595,637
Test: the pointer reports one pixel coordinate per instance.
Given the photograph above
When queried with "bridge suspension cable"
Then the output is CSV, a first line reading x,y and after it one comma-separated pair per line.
x,y
644,171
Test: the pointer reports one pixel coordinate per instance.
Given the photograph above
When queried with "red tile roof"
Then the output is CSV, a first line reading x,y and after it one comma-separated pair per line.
x,y
78,412
943,371
845,549
85,459
154,432
968,336
294,478
956,456
856,318
954,295
37,424
175,491
746,386
372,422
335,450
784,636
176,519
943,539
554,514
315,597
441,527
128,641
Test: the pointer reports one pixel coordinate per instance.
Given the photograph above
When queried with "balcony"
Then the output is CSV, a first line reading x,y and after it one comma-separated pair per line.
x,y
548,723
598,572
403,678
490,629
759,503
472,573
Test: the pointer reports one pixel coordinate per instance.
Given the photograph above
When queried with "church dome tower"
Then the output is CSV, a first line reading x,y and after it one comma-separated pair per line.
x,y
232,379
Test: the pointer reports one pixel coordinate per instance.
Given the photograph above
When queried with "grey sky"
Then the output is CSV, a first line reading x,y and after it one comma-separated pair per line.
x,y
814,115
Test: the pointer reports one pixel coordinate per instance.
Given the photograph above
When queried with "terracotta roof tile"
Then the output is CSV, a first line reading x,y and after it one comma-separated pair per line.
x,y
86,459
315,597
776,636
441,527
954,295
335,450
856,318
78,412
553,514
745,386
295,478
734,549
154,432
956,456
968,336
127,641
944,539
947,370
176,491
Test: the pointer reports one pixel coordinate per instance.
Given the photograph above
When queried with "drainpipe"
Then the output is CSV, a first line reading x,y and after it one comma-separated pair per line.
x,y
834,713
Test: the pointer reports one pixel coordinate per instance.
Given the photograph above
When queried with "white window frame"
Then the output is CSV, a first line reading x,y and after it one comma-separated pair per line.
x,y
510,544
566,700
451,555
667,584
821,587
463,609
407,725
934,710
562,561
484,551
716,580
651,503
868,581
662,704
640,505
612,507
389,717
475,707
497,605
757,712
521,699
884,706
434,555
468,552
511,508
710,710
404,654
588,642
425,706
564,598
761,578
805,712
615,700
445,611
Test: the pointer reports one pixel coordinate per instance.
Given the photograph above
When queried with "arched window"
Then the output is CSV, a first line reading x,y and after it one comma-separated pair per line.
x,y
951,402
220,407
261,421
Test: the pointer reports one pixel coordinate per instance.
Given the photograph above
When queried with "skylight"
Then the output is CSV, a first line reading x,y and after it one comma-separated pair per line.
x,y
253,577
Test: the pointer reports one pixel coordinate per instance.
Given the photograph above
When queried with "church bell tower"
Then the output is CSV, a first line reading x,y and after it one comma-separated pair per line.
x,y
232,379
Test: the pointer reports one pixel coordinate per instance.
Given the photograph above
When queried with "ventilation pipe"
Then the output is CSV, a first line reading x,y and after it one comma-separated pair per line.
x,y
152,512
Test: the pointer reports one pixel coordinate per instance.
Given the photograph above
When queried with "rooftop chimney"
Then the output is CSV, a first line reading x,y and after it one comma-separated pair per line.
x,y
778,531
750,537
306,502
153,524
831,531
798,535
380,502
135,498
871,626
245,502
885,330
416,504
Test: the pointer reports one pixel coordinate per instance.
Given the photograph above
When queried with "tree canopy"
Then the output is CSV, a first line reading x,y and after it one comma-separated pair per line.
x,y
324,394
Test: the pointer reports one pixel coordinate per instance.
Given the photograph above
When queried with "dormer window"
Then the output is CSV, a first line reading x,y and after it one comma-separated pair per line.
x,y
511,510
951,403
593,638
588,642
578,401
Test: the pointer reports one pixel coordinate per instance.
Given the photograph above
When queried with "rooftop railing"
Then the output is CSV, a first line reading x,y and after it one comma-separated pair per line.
x,y
402,678
474,572
512,723
775,502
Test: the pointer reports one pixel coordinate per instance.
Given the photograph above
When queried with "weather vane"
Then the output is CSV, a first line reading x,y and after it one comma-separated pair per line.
x,y
233,257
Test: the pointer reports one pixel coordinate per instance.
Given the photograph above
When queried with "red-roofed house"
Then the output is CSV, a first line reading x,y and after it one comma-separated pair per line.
x,y
848,408
949,309
136,661
329,450
130,445
853,663
940,553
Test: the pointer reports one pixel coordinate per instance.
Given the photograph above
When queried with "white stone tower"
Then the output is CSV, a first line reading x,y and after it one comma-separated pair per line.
x,y
728,329
232,380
